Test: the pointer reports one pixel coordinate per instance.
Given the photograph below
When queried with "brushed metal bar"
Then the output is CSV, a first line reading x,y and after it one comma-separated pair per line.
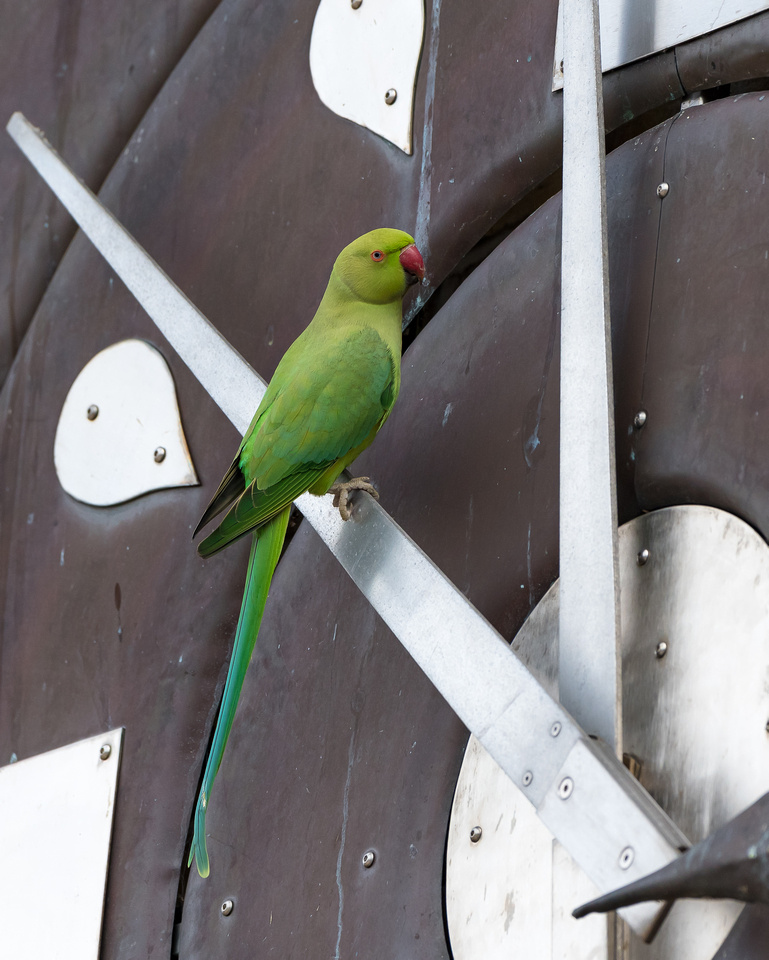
x,y
472,666
589,613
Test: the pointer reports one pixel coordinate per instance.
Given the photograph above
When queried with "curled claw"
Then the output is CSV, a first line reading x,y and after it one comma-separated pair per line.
x,y
342,493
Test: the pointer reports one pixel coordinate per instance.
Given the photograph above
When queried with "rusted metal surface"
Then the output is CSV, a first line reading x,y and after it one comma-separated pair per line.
x,y
738,52
234,183
468,465
705,388
749,936
85,72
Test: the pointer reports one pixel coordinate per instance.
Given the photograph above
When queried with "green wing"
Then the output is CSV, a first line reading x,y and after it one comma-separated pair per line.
x,y
329,395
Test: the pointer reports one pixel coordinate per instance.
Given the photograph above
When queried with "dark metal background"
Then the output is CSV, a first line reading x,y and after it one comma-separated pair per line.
x,y
244,187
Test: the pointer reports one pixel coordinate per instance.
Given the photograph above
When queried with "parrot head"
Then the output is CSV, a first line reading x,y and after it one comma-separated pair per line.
x,y
380,266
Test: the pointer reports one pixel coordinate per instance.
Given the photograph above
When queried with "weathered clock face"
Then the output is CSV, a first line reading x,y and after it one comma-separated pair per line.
x,y
244,186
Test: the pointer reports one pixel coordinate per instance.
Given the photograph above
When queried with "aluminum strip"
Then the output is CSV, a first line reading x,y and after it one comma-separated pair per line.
x,y
468,661
589,613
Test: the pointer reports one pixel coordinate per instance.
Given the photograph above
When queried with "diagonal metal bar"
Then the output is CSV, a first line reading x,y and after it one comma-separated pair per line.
x,y
533,739
589,569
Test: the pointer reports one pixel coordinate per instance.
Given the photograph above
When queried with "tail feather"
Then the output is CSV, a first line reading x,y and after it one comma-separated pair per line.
x,y
265,552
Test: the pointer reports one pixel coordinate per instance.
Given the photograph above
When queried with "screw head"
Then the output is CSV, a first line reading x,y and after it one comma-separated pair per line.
x,y
663,189
368,859
355,4
626,858
105,751
642,557
639,419
93,412
475,834
159,454
661,650
555,729
565,788
527,778
391,96
227,907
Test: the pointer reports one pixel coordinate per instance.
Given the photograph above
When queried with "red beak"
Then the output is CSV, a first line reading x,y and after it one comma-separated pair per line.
x,y
412,262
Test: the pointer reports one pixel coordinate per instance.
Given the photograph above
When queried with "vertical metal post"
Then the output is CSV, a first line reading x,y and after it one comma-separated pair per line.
x,y
589,605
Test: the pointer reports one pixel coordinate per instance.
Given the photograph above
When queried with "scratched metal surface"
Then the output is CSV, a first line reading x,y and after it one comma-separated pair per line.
x,y
708,402
84,72
233,182
341,745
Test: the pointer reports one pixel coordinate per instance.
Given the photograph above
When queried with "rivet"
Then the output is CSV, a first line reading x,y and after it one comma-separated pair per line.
x,y
105,751
159,454
368,859
475,834
626,858
527,778
642,557
565,788
227,907
639,419
93,412
355,4
662,189
555,729
661,650
391,96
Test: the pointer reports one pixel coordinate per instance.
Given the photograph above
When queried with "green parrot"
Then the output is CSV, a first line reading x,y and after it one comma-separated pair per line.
x,y
332,391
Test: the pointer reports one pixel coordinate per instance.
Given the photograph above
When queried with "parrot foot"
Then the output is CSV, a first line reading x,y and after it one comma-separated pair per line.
x,y
342,493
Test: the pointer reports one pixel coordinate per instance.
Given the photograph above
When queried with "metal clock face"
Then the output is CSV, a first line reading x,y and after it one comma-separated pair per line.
x,y
356,744
695,611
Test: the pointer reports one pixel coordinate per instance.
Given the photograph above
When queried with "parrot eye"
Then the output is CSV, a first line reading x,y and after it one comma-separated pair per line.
x,y
378,255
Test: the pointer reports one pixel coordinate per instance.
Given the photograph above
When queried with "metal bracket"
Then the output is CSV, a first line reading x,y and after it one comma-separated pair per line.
x,y
469,662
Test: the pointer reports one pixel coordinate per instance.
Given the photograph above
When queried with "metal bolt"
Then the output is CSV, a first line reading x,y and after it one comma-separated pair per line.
x,y
105,751
626,858
92,412
227,908
475,834
662,649
662,189
565,788
639,419
527,778
159,454
391,96
355,4
642,557
368,859
555,729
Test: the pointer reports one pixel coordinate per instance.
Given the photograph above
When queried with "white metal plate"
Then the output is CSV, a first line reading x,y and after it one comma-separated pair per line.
x,y
111,458
632,29
56,814
357,55
695,719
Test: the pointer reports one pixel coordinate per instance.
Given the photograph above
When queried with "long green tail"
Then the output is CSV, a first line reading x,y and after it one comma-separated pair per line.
x,y
265,551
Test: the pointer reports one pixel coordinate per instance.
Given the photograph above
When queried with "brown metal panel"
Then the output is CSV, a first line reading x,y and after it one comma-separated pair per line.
x,y
341,745
705,387
85,72
749,936
235,184
737,52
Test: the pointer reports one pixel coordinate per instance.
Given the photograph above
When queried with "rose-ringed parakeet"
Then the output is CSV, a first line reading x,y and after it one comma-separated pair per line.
x,y
330,394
